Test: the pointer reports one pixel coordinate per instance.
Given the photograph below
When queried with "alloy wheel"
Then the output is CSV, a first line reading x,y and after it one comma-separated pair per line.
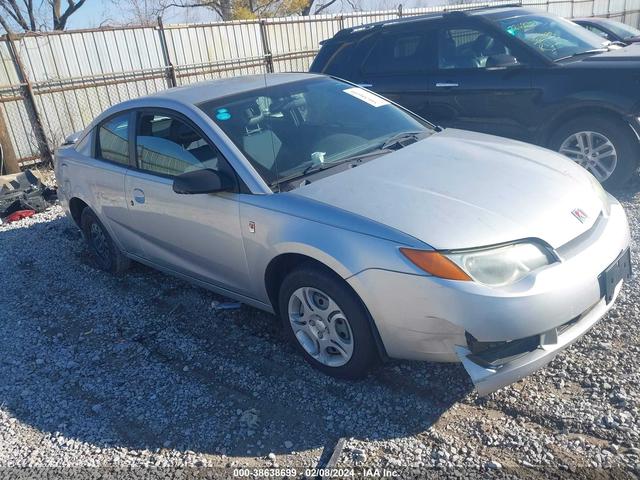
x,y
593,151
320,326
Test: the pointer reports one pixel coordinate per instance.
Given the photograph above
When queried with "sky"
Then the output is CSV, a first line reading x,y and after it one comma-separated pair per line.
x,y
95,12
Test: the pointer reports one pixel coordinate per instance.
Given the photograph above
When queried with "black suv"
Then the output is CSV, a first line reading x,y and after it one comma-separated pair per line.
x,y
508,71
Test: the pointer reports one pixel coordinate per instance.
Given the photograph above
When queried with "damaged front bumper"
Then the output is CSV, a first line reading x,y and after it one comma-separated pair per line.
x,y
523,325
497,367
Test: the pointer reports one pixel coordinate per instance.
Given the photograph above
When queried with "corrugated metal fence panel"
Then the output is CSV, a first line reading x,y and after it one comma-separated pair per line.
x,y
13,108
294,44
21,129
202,52
77,75
8,72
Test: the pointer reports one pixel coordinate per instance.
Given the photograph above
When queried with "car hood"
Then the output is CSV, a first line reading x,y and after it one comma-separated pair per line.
x,y
630,53
459,189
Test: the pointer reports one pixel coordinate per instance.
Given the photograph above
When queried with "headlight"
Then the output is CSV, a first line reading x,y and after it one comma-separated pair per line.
x,y
502,265
496,266
601,193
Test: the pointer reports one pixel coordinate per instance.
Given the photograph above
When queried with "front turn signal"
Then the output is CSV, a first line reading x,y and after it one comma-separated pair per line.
x,y
436,264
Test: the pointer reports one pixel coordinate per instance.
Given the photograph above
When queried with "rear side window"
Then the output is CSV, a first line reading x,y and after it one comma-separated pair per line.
x,y
334,58
113,140
168,146
402,52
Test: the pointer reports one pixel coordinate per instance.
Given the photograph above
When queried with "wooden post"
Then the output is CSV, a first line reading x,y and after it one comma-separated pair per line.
x,y
8,159
171,70
30,101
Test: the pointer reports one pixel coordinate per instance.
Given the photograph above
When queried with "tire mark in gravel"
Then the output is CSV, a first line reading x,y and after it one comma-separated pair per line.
x,y
396,385
225,390
548,424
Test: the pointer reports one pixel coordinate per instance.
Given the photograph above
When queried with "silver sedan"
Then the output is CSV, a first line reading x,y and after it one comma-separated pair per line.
x,y
369,231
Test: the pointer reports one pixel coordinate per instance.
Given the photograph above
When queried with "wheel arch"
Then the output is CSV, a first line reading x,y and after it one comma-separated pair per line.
x,y
573,113
76,206
282,264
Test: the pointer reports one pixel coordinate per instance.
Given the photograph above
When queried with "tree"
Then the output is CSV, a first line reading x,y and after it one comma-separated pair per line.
x,y
27,15
245,9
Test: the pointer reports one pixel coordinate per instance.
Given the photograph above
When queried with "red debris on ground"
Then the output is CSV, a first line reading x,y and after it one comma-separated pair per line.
x,y
19,215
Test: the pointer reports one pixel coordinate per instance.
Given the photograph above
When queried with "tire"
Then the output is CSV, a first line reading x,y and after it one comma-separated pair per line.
x,y
312,283
106,255
616,131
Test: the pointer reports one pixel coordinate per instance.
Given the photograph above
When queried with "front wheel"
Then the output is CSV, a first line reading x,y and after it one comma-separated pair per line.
x,y
605,146
327,322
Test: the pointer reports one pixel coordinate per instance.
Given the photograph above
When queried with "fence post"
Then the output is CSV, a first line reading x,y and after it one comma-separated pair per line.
x,y
268,57
30,101
8,159
399,10
171,71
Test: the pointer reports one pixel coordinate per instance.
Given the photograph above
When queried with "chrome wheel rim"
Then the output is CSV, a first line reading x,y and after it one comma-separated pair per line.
x,y
320,326
99,242
593,151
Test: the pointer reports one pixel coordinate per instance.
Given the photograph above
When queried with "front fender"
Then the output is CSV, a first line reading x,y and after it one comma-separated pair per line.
x,y
269,233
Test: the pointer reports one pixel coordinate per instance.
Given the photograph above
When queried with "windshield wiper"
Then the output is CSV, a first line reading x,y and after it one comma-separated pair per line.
x,y
313,168
385,147
586,52
399,138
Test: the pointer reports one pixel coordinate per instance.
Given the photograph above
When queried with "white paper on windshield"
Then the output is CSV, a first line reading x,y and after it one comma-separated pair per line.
x,y
365,96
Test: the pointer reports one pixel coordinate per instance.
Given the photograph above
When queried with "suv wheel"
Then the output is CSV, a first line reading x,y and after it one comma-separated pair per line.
x,y
327,323
605,146
106,255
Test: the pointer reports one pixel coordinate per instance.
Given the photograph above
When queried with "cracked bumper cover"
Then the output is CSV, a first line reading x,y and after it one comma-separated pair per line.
x,y
426,318
488,379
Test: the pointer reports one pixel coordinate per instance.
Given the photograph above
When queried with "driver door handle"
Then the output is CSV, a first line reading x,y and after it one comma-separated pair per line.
x,y
446,85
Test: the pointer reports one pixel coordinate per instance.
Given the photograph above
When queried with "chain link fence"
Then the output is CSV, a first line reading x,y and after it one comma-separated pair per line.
x,y
53,84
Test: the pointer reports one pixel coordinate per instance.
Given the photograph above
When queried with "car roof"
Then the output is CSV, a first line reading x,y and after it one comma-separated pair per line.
x,y
213,89
593,20
504,11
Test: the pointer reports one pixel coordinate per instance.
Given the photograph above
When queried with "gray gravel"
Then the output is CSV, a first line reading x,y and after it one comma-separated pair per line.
x,y
143,370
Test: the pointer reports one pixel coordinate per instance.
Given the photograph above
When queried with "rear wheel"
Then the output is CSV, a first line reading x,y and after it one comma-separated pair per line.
x,y
106,255
327,323
605,146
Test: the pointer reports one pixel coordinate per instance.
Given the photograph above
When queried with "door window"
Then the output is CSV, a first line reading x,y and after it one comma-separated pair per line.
x,y
168,146
404,52
467,48
113,140
597,31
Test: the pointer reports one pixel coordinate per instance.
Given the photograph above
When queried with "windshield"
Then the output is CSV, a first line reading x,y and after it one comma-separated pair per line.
x,y
554,37
621,30
287,129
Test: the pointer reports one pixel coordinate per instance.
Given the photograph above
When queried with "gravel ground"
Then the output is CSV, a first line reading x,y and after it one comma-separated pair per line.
x,y
142,370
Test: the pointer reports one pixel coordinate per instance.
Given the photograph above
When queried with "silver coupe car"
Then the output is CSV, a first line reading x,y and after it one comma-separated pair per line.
x,y
372,233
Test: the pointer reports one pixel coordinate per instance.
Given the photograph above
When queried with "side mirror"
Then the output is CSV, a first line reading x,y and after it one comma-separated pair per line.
x,y
72,139
502,60
203,181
